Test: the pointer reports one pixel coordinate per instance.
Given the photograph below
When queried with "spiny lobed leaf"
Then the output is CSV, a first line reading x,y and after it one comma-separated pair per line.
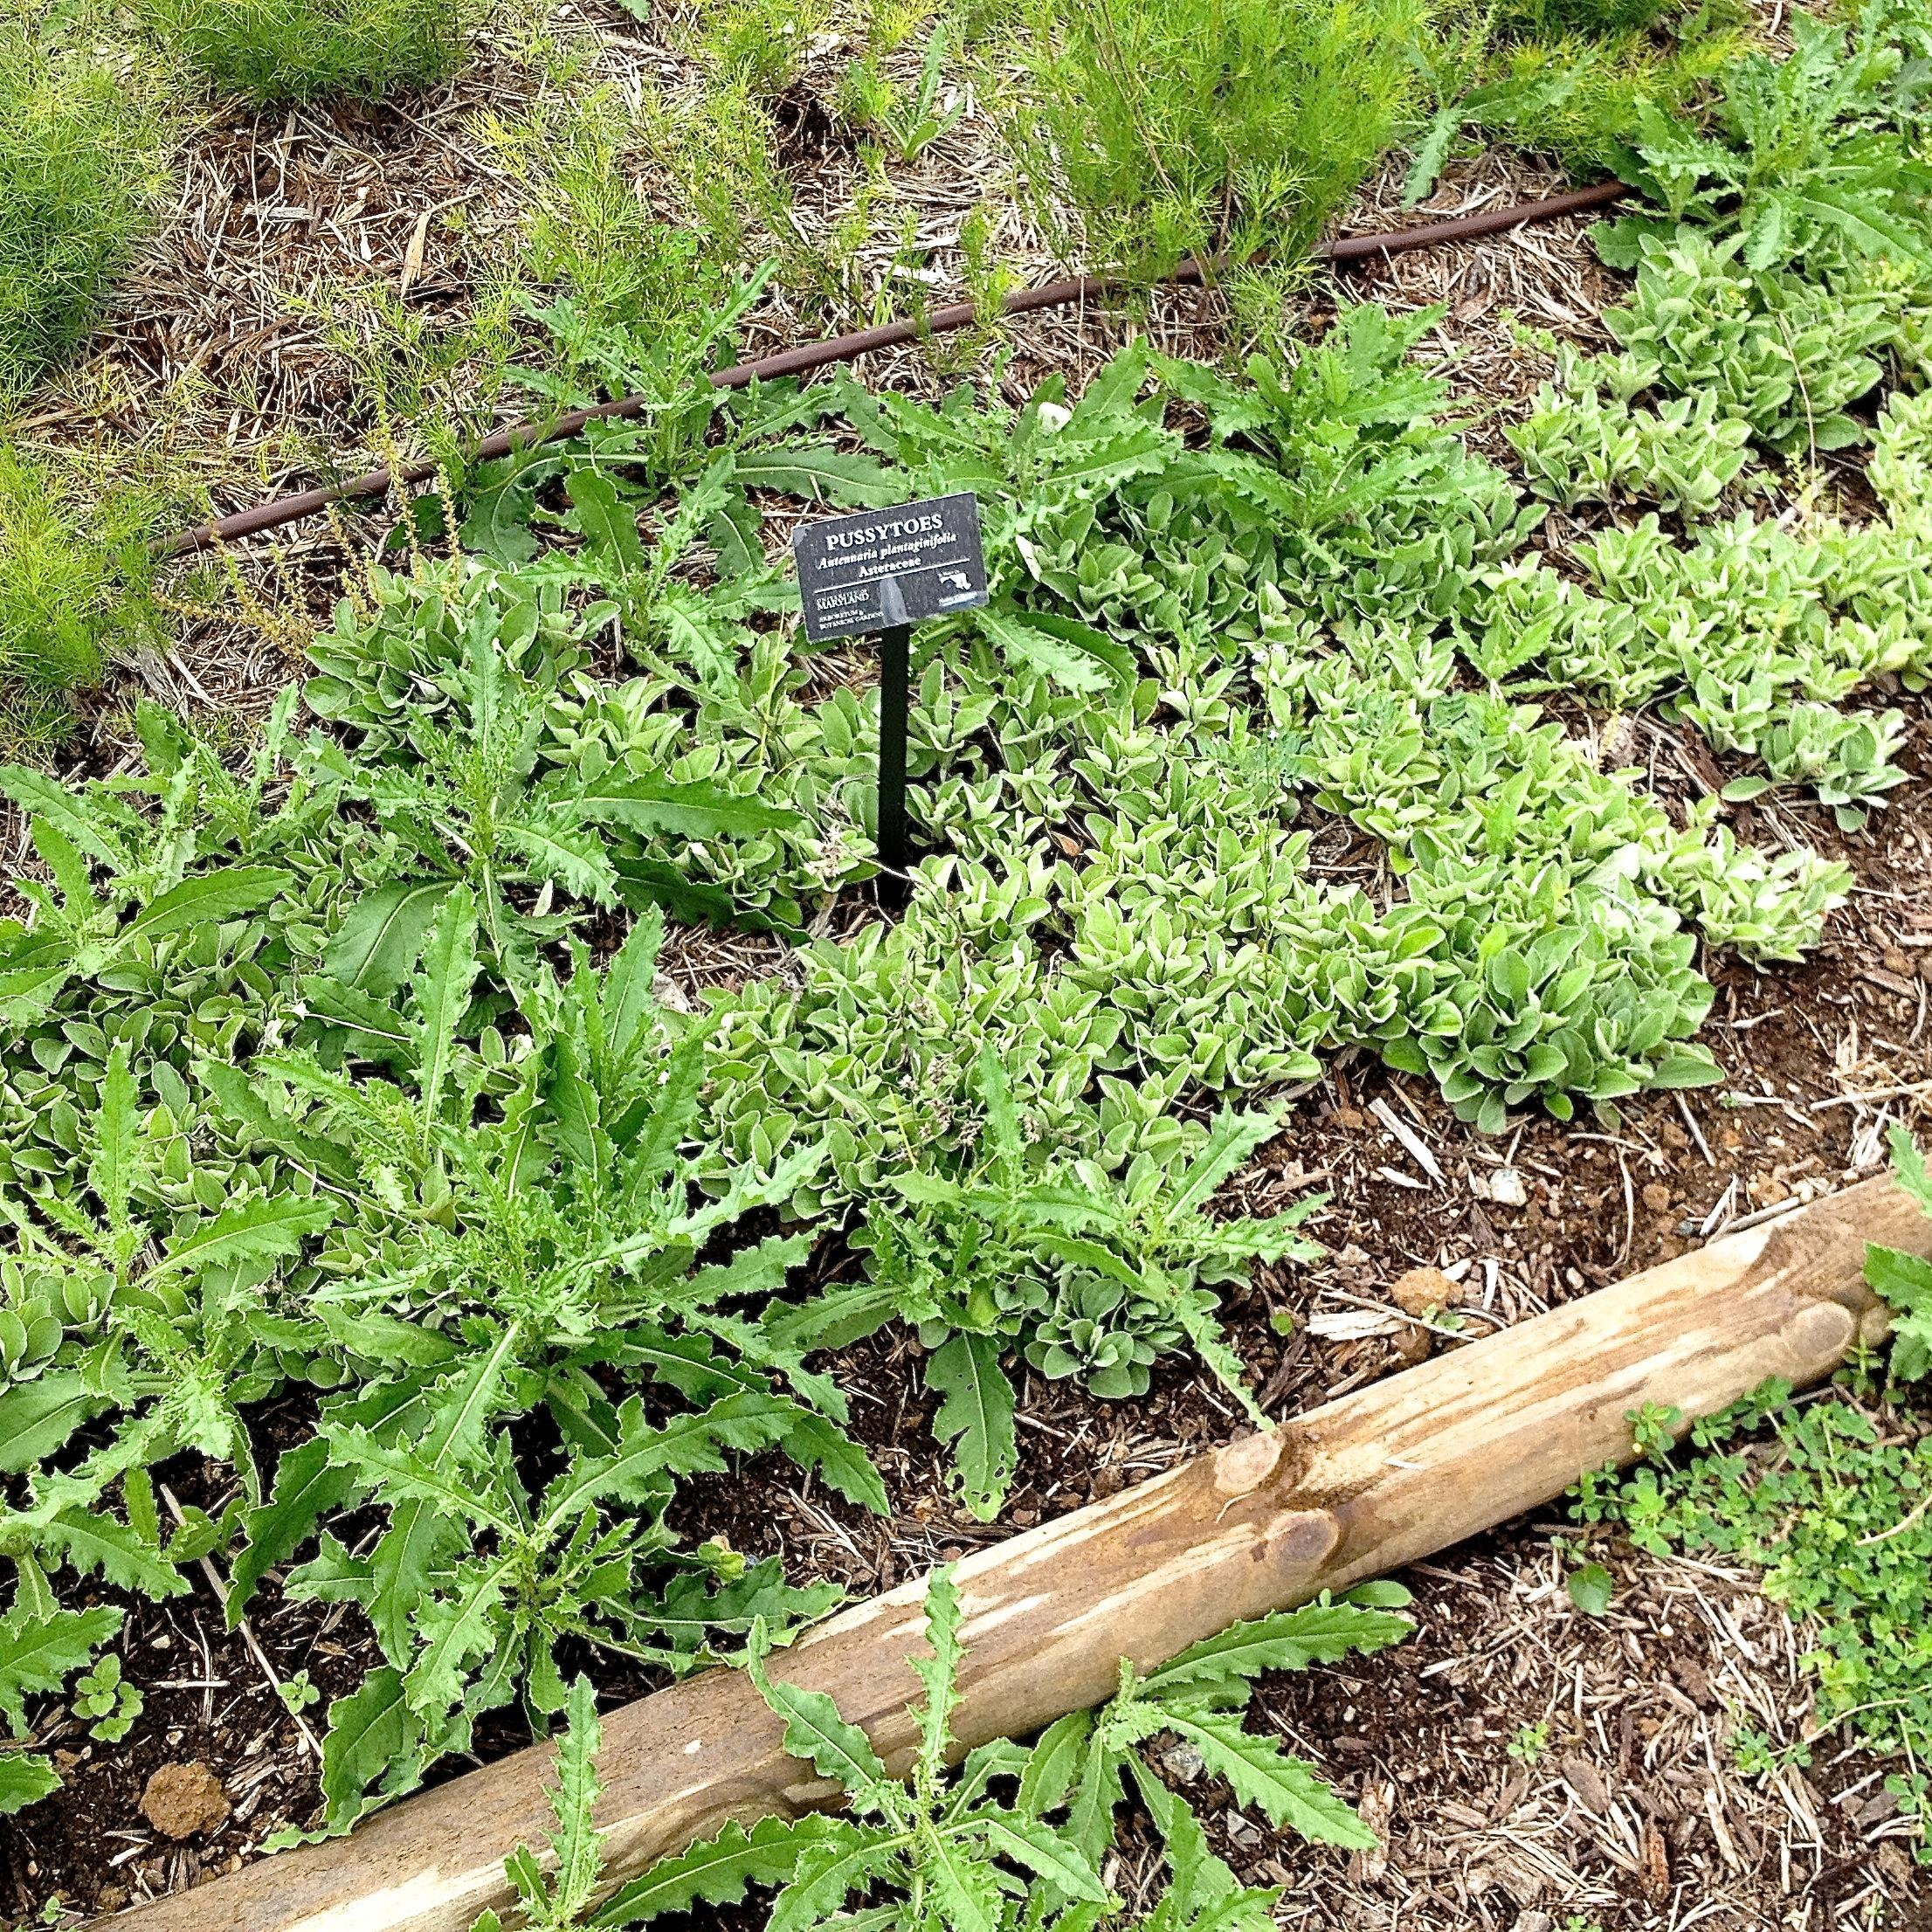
x,y
715,1871
1289,1640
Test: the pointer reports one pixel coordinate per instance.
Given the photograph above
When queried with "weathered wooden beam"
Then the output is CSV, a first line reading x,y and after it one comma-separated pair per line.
x,y
1355,1489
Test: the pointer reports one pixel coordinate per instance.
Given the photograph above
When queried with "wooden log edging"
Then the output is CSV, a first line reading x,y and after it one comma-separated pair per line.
x,y
1355,1489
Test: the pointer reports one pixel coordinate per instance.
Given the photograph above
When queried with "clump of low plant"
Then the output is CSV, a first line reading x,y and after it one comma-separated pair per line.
x,y
1091,1274
590,235
760,44
72,586
1567,78
1235,128
1837,1520
1814,157
270,52
78,163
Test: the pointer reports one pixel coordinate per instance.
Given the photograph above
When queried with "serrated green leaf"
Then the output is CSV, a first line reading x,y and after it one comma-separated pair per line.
x,y
966,1893
975,1416
816,1732
37,1418
1197,1877
814,1443
1287,1639
375,948
939,1675
577,1844
1054,1764
441,988
267,1228
90,1543
1039,1849
39,1650
1290,1791
829,1871
208,899
25,1781
111,1172
716,1871
685,1445
820,473
308,1485
1909,1167
374,1739
693,810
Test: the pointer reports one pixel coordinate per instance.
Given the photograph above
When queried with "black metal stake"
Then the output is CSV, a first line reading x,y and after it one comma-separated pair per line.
x,y
894,679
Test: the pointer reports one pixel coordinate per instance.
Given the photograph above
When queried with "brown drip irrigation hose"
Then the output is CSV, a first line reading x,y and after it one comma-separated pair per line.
x,y
844,349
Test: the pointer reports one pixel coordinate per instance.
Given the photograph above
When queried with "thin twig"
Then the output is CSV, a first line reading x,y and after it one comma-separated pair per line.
x,y
1904,1522
220,1589
1877,1093
1696,1132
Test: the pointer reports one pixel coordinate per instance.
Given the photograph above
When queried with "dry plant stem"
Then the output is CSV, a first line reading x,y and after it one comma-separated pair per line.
x,y
844,349
220,1588
1352,1490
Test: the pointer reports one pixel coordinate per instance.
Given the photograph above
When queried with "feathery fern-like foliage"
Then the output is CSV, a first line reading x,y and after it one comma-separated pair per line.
x,y
272,51
80,172
1213,127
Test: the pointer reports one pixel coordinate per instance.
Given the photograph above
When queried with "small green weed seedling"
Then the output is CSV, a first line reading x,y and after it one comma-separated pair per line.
x,y
910,119
1529,1744
106,1702
1836,1520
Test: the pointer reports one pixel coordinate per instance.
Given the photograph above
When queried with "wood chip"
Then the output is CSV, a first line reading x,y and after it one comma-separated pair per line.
x,y
1413,1144
1587,1781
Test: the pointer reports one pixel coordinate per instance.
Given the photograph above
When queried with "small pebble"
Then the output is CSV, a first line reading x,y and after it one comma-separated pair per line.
x,y
1242,1831
1506,1189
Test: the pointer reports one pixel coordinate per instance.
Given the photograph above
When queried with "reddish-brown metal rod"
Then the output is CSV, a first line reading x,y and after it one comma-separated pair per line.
x,y
808,356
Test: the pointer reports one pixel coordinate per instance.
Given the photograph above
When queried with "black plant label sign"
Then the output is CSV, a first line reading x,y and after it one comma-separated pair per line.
x,y
882,569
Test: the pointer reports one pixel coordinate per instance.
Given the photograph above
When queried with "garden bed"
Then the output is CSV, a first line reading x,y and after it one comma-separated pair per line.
x,y
1519,1756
